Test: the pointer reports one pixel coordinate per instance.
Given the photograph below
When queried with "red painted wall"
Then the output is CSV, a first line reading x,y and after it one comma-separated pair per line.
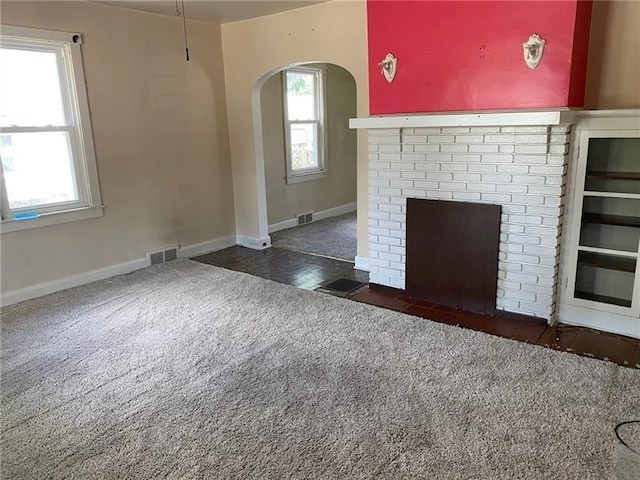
x,y
580,54
467,55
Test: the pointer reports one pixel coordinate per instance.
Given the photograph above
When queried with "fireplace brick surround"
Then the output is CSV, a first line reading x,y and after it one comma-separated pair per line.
x,y
520,167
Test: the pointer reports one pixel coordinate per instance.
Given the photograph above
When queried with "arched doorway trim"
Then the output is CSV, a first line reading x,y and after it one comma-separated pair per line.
x,y
261,187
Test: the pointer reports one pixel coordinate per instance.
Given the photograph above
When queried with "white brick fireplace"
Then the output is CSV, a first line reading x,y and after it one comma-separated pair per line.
x,y
516,160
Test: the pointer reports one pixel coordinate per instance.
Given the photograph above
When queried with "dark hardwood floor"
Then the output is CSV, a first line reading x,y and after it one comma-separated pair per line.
x,y
618,349
285,266
313,272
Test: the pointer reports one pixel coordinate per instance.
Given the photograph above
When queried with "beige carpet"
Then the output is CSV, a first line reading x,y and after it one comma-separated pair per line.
x,y
334,237
186,370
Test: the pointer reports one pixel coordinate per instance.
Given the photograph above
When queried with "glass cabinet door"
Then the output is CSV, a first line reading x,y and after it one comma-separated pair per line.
x,y
613,165
609,230
610,223
605,278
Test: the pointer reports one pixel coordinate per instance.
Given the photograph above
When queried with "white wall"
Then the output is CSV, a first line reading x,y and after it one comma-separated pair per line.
x,y
161,142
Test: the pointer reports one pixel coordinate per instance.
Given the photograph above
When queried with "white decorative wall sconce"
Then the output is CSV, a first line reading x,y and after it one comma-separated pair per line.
x,y
389,65
533,50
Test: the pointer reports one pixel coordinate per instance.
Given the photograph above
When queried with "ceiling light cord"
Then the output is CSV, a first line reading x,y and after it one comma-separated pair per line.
x,y
184,27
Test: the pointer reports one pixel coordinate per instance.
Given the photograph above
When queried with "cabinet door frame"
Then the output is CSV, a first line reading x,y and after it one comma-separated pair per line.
x,y
582,139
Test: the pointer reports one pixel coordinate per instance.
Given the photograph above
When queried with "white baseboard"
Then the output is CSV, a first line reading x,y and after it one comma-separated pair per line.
x,y
208,247
604,321
363,263
76,280
254,243
292,222
71,281
321,215
276,227
335,211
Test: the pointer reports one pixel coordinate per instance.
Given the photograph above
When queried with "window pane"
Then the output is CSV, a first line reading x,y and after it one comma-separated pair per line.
x,y
304,146
30,88
301,93
38,169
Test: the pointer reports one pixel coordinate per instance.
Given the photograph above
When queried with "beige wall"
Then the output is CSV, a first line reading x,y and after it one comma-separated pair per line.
x,y
161,142
333,32
613,75
284,200
160,124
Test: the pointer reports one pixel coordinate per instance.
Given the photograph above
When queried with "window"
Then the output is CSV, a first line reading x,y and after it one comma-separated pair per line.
x,y
48,172
304,124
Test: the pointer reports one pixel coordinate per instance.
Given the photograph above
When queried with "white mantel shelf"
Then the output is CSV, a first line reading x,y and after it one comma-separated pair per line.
x,y
467,119
484,119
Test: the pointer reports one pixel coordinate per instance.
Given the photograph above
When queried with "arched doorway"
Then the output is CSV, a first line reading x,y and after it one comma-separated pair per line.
x,y
285,200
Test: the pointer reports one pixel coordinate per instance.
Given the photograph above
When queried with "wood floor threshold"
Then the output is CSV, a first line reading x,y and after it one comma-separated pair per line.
x,y
314,254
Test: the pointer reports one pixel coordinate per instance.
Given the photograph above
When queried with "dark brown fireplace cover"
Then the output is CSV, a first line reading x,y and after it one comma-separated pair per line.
x,y
452,253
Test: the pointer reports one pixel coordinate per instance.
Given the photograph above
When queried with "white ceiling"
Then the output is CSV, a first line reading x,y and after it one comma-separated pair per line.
x,y
219,11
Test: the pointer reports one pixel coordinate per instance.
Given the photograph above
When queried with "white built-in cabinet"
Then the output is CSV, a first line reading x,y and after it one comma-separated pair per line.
x,y
600,274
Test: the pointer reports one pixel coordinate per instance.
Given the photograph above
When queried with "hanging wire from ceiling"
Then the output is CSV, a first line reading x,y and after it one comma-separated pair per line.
x,y
184,26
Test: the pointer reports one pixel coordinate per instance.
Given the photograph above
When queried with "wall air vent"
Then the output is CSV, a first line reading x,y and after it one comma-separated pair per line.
x,y
304,218
164,255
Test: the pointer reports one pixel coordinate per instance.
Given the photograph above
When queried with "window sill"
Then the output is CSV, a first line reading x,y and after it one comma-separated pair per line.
x,y
307,177
53,218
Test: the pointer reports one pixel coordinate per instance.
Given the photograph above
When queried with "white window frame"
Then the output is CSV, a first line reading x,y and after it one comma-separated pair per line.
x,y
321,171
66,45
